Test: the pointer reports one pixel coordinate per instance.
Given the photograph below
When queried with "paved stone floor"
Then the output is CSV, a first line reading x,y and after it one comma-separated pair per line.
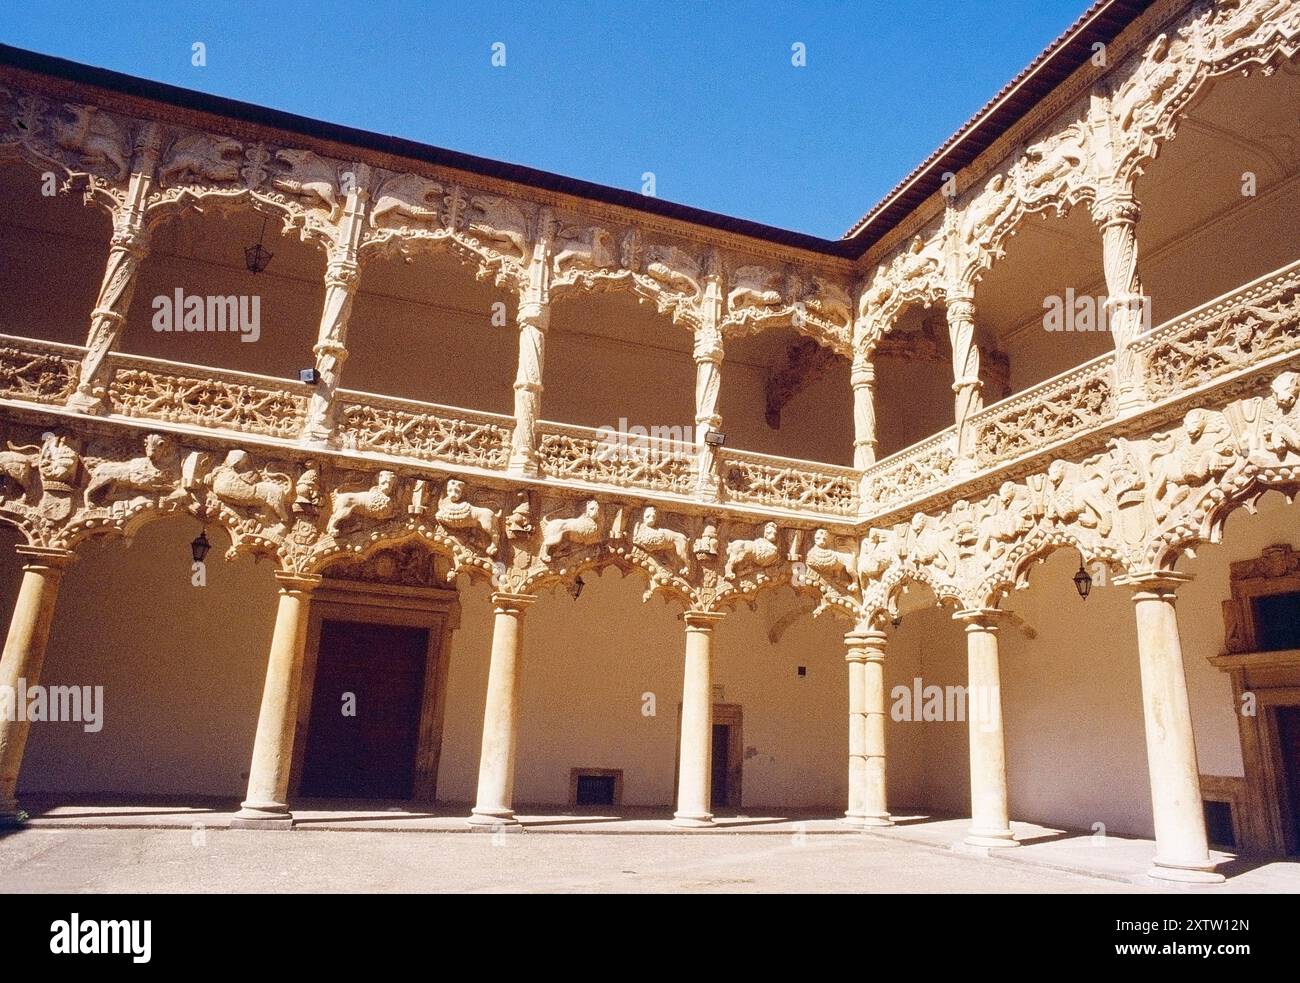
x,y
159,848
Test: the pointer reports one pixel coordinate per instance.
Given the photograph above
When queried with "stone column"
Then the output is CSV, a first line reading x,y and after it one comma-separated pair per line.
x,y
966,386
990,825
863,379
1127,307
695,772
266,806
1182,847
867,786
127,250
20,666
534,318
708,386
496,769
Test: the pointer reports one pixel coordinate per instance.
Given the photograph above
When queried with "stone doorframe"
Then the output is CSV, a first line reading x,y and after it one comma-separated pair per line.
x,y
434,608
733,715
1271,680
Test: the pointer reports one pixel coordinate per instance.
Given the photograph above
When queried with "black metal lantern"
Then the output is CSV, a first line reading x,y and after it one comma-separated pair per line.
x,y
256,258
576,588
199,548
1082,582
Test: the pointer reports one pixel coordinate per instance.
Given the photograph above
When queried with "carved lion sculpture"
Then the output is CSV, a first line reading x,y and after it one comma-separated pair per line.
x,y
16,467
95,137
675,268
309,177
156,472
499,220
832,564
752,552
407,197
656,540
582,530
236,482
596,250
201,157
377,503
456,513
754,287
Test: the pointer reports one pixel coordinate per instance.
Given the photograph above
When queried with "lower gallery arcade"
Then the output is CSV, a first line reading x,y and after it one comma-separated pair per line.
x,y
551,701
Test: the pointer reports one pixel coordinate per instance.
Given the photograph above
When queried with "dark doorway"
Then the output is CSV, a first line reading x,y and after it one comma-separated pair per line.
x,y
721,757
363,745
1288,739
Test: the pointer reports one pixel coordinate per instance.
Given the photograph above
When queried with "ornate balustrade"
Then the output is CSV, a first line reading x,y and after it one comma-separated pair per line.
x,y
1072,403
1236,331
760,479
424,431
604,457
910,473
171,392
37,371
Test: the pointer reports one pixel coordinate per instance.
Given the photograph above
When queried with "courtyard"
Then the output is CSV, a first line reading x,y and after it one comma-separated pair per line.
x,y
172,848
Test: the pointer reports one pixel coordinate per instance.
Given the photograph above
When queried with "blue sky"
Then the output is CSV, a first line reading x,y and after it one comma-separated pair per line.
x,y
702,94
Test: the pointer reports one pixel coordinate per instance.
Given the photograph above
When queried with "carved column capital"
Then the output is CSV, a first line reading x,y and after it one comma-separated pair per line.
x,y
1154,583
504,602
980,619
865,645
1116,208
45,557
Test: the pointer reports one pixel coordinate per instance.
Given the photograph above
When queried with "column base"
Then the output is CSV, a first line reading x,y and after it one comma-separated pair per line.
x,y
1185,875
693,821
492,817
11,816
999,839
1127,405
525,465
88,404
264,815
865,821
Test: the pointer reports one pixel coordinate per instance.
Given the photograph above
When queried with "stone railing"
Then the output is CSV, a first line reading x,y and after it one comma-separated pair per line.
x,y
219,399
1226,335
1079,400
910,473
424,431
601,457
760,479
37,371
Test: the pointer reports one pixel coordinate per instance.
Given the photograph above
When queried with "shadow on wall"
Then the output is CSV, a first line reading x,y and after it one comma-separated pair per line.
x,y
181,667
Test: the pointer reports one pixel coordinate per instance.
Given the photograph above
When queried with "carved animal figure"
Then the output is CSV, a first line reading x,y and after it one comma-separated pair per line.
x,y
831,563
674,268
582,530
754,287
16,467
930,546
1076,495
309,177
1282,434
407,199
1005,518
198,157
149,475
1052,159
656,540
377,503
236,482
98,139
1181,467
752,552
495,219
829,300
594,250
456,513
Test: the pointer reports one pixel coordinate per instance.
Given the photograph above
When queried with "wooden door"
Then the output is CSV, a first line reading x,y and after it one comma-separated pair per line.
x,y
365,715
